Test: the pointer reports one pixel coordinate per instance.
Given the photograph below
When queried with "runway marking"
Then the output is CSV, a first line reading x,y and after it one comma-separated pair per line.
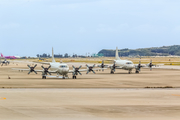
x,y
175,95
1,98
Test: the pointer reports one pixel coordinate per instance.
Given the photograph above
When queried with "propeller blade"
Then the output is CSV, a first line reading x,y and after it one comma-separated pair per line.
x,y
35,65
42,67
49,73
29,72
49,67
87,72
28,66
80,67
80,73
93,71
35,72
73,66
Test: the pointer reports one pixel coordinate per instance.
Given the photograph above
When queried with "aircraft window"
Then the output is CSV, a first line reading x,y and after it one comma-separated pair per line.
x,y
128,63
63,66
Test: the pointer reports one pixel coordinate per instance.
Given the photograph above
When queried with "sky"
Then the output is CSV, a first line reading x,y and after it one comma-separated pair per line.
x,y
29,27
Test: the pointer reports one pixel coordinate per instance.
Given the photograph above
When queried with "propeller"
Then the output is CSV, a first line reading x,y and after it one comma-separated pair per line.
x,y
5,62
113,67
150,65
32,69
102,65
76,70
90,68
139,66
46,70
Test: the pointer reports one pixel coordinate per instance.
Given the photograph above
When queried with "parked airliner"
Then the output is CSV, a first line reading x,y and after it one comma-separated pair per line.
x,y
9,57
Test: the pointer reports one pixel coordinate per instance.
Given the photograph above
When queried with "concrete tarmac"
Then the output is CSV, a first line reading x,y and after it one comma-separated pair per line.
x,y
121,79
100,96
90,104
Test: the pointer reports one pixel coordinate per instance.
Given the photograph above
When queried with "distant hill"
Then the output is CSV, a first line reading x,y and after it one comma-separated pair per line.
x,y
153,51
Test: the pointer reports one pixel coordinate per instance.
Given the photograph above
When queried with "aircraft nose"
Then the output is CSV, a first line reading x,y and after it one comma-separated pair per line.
x,y
131,66
65,70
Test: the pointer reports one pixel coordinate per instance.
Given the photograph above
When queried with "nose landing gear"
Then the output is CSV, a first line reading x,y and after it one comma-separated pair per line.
x,y
130,71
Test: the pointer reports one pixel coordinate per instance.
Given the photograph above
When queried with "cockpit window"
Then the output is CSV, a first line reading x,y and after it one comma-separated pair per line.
x,y
63,66
129,63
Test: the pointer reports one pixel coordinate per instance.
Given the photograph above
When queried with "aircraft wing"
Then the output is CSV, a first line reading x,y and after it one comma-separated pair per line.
x,y
35,70
142,65
26,69
99,68
85,70
82,70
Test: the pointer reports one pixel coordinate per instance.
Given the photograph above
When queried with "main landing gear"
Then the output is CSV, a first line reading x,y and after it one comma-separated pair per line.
x,y
74,77
112,72
43,77
137,71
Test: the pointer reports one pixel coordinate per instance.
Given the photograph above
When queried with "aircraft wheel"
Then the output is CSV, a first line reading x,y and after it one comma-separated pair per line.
x,y
137,72
112,72
74,77
43,77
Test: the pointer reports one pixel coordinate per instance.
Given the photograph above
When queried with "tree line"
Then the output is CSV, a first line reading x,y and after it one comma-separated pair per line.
x,y
153,51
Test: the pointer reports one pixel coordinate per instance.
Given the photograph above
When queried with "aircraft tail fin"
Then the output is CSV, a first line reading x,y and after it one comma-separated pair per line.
x,y
2,55
53,60
117,55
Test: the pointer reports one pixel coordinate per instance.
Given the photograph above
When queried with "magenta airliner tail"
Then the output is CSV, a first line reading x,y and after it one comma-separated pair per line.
x,y
2,55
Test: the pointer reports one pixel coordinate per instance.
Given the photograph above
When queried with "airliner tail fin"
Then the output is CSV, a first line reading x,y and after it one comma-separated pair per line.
x,y
2,55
